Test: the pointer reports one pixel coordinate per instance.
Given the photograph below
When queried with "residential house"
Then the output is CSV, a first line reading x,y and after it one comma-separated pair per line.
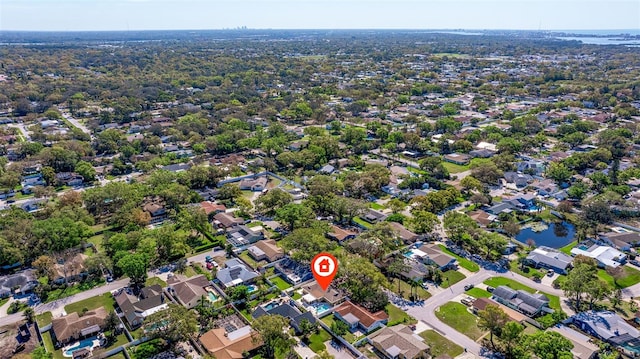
x,y
532,167
522,201
256,184
605,256
230,342
19,283
502,207
482,218
483,153
71,269
156,211
266,250
327,169
521,180
314,293
136,308
545,187
399,342
431,254
550,258
609,327
583,347
242,235
457,158
226,220
340,235
286,310
406,235
623,241
298,145
360,319
235,273
188,291
178,167
522,301
211,208
372,216
482,303
72,326
293,272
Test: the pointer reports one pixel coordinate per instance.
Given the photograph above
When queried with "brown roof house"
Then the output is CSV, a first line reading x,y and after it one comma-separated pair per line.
x,y
156,211
230,345
340,235
211,207
313,293
406,235
72,327
266,250
70,270
226,220
358,318
399,342
136,308
188,291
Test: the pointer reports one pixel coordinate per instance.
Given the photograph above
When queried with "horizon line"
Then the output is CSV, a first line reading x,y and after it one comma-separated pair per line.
x,y
241,28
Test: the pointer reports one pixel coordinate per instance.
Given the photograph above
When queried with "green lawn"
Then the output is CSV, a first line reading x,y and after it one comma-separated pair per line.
x,y
454,168
554,301
450,278
362,222
316,340
398,316
44,319
329,319
456,316
189,272
48,343
96,241
631,277
155,280
376,206
478,293
440,345
405,289
250,261
527,272
118,356
296,296
280,283
463,262
567,249
69,291
104,300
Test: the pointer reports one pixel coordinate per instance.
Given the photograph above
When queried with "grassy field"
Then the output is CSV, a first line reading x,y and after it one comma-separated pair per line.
x,y
362,222
527,272
456,316
454,168
554,301
280,283
316,340
48,343
398,316
440,345
463,262
329,319
450,278
478,293
631,277
155,280
104,300
567,249
405,288
75,289
376,206
44,319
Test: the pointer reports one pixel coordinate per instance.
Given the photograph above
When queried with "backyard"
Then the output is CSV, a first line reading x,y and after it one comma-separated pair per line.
x,y
316,340
280,283
440,345
463,262
329,319
456,316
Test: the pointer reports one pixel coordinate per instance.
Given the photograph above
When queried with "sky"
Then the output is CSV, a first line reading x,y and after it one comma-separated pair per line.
x,y
81,15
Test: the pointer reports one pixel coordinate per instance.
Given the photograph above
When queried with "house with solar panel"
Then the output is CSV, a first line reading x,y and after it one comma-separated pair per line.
x,y
522,301
611,328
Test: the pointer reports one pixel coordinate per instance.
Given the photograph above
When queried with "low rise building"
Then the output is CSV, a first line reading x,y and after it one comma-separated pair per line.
x,y
605,256
549,258
399,342
73,327
522,301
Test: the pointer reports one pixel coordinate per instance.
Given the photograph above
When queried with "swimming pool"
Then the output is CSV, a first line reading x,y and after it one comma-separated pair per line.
x,y
84,343
212,297
252,288
408,253
270,306
321,307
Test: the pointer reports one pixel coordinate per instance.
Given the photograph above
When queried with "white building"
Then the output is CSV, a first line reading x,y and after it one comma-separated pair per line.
x,y
605,255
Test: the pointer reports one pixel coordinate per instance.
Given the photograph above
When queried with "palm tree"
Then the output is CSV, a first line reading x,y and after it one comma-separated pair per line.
x,y
414,283
396,268
29,315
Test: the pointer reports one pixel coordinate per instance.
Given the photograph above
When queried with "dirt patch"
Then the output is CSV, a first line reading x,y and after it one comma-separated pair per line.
x,y
11,338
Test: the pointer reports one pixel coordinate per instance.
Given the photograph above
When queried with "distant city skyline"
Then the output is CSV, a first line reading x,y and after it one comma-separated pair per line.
x,y
103,15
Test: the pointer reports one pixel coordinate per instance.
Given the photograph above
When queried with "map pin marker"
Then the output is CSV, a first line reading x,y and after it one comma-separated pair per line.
x,y
324,267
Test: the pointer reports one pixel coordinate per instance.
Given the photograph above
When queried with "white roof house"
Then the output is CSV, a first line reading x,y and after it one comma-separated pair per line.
x,y
605,255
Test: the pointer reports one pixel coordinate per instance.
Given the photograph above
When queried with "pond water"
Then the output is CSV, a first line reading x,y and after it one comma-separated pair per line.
x,y
557,235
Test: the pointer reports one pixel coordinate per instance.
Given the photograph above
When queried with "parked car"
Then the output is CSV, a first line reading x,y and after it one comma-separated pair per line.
x,y
490,289
208,259
550,273
468,286
467,301
635,262
209,265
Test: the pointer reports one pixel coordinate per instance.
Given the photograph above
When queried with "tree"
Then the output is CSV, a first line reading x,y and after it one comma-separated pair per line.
x,y
29,315
40,352
423,221
486,172
510,336
86,170
511,228
295,215
304,243
174,324
134,265
237,293
307,328
396,268
493,319
471,183
45,266
111,324
549,345
271,332
339,328
558,172
578,280
273,200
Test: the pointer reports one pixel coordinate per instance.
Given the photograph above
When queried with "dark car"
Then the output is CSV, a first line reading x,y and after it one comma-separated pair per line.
x,y
490,289
468,286
635,262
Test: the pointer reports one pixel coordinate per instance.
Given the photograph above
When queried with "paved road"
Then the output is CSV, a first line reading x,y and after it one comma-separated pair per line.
x,y
426,312
409,163
23,129
77,123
